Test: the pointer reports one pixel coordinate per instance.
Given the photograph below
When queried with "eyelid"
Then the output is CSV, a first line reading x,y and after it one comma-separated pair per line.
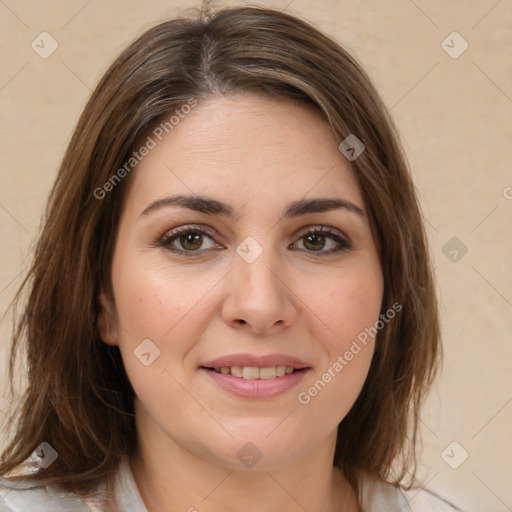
x,y
189,227
321,228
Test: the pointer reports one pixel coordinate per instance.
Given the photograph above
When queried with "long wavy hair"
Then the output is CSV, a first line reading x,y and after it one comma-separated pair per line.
x,y
78,397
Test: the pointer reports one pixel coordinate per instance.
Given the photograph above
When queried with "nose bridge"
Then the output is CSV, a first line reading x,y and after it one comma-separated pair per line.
x,y
257,295
257,268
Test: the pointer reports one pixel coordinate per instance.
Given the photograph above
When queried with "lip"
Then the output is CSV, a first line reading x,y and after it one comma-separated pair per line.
x,y
256,389
263,361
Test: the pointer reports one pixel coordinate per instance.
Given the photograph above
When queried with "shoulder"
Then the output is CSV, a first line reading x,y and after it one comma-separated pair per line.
x,y
23,495
421,500
379,495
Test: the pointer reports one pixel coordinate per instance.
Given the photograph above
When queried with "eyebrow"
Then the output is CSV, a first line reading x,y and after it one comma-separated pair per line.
x,y
212,206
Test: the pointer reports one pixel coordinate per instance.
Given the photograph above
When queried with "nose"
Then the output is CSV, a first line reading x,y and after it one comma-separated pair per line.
x,y
258,297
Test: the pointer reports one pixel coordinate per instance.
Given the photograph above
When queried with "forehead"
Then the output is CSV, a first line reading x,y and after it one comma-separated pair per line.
x,y
248,150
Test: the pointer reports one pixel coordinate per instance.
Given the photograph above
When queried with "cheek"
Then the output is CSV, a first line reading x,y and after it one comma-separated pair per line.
x,y
160,315
349,308
169,308
152,300
350,304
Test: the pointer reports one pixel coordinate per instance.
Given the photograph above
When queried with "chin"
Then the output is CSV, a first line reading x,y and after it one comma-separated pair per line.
x,y
259,448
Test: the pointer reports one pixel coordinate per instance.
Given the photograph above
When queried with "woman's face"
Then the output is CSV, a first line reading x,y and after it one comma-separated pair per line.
x,y
246,284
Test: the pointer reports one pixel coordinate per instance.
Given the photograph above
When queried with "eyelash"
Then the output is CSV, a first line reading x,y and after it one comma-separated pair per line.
x,y
169,238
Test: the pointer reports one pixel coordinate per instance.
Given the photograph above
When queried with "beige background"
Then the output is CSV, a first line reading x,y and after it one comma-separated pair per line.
x,y
455,116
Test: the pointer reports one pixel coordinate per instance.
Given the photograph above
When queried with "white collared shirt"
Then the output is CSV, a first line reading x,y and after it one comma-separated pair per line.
x,y
26,495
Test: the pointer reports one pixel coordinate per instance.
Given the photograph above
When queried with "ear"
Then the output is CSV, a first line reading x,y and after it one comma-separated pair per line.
x,y
106,322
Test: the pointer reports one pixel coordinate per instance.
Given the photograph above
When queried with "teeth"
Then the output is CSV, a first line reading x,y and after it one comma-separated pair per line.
x,y
253,372
236,371
250,372
267,373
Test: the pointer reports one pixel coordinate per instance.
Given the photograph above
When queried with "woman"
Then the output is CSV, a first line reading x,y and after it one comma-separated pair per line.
x,y
231,305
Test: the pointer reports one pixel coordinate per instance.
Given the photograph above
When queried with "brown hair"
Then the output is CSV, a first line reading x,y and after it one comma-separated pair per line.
x,y
79,399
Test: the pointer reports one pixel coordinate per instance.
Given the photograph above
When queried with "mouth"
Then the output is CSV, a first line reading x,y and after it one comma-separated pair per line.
x,y
256,377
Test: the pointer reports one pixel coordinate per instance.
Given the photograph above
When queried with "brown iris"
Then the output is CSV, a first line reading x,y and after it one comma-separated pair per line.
x,y
314,242
191,241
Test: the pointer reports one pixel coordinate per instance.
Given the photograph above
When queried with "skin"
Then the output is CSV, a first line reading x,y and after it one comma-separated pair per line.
x,y
258,155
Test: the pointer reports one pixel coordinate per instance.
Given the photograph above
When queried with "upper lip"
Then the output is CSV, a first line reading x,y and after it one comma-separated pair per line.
x,y
263,361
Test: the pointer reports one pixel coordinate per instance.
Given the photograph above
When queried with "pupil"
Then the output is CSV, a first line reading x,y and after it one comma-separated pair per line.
x,y
193,239
318,242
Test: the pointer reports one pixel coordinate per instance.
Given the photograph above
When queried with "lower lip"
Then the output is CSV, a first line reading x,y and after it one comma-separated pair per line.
x,y
257,389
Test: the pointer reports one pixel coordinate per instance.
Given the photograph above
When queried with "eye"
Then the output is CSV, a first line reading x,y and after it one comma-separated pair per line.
x,y
317,239
189,240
